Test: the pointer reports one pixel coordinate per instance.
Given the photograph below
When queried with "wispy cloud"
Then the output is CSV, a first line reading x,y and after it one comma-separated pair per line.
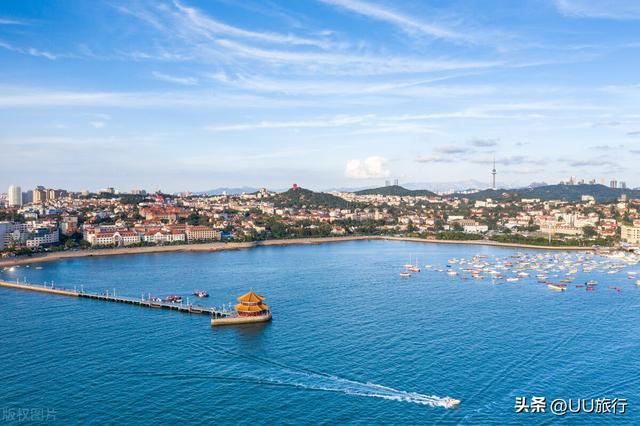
x,y
211,29
11,21
453,149
594,162
617,9
424,87
433,159
352,64
185,81
28,51
100,120
404,22
484,142
28,97
315,123
358,124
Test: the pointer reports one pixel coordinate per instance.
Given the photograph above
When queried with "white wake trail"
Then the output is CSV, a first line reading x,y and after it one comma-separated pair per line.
x,y
350,387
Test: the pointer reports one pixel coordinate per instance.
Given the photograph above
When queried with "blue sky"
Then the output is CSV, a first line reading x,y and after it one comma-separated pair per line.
x,y
191,95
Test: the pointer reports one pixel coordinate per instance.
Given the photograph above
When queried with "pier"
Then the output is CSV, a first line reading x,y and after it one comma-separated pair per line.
x,y
148,303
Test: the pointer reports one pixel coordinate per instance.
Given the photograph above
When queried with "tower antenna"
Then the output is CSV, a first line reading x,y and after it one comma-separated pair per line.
x,y
493,173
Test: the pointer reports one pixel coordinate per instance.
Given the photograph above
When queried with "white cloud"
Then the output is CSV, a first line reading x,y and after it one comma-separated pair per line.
x,y
98,124
369,168
607,9
421,88
29,51
10,21
185,81
350,64
406,23
196,22
484,142
26,97
433,159
315,123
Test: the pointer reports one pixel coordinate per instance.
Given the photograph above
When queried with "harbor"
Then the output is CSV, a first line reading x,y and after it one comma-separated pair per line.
x,y
557,271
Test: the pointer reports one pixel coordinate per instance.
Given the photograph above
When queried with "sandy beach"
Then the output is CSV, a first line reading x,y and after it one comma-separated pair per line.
x,y
210,247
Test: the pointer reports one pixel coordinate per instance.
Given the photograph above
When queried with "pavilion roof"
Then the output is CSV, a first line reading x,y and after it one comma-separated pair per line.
x,y
251,297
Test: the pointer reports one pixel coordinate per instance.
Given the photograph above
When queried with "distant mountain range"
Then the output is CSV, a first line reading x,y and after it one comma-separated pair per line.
x,y
543,191
448,187
230,191
573,193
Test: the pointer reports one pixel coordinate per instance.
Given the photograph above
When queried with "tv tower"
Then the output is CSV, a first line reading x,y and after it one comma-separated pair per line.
x,y
493,172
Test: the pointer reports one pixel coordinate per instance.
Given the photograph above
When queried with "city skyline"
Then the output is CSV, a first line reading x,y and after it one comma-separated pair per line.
x,y
16,191
188,95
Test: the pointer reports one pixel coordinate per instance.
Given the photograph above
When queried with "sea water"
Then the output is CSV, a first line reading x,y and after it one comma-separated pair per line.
x,y
350,341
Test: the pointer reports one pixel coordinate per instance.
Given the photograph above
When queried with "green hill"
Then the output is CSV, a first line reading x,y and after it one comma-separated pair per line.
x,y
572,193
300,197
396,190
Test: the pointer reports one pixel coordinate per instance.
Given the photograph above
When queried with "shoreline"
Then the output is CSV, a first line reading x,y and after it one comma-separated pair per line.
x,y
213,247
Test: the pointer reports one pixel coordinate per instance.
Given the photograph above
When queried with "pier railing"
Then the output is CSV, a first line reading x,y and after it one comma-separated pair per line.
x,y
108,296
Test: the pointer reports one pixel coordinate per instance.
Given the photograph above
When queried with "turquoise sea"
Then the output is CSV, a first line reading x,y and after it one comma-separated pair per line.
x,y
350,342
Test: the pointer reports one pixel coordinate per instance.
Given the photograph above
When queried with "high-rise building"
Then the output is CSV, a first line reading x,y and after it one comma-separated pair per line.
x,y
613,184
39,195
623,184
395,182
493,174
27,197
15,196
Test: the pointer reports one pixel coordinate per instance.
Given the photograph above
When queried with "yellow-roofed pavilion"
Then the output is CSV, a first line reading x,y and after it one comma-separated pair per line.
x,y
252,305
251,309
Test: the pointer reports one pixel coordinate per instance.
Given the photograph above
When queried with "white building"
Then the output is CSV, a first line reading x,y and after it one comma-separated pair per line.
x,y
113,238
630,234
15,196
201,233
42,237
159,236
475,229
11,233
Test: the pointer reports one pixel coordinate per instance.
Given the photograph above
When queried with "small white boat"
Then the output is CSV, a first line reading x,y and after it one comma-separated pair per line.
x,y
512,279
557,287
405,274
451,403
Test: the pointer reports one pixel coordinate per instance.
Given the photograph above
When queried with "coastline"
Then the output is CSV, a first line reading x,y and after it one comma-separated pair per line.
x,y
212,247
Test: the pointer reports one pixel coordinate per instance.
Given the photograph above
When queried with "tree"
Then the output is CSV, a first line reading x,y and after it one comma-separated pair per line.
x,y
589,231
410,227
